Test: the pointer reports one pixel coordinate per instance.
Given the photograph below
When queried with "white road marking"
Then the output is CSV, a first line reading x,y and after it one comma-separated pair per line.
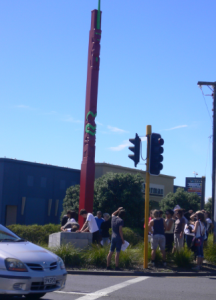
x,y
112,289
83,293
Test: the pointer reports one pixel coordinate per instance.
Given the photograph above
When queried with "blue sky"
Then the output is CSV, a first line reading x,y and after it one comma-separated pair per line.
x,y
152,55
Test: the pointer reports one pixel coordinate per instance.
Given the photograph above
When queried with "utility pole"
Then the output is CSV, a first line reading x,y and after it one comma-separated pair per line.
x,y
203,192
213,84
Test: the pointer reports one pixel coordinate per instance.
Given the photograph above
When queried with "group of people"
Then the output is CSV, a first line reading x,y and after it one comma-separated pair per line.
x,y
177,230
171,233
99,227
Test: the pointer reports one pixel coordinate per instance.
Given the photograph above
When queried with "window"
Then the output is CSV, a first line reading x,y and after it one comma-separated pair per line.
x,y
43,182
30,180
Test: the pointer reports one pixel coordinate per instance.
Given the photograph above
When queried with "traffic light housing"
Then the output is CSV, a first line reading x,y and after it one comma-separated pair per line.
x,y
156,157
136,149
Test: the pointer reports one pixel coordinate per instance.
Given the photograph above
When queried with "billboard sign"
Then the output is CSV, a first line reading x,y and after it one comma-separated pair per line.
x,y
194,185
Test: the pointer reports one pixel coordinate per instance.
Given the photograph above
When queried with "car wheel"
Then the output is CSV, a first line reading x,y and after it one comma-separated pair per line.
x,y
35,296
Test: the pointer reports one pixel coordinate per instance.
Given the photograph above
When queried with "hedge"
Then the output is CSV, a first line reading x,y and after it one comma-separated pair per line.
x,y
39,234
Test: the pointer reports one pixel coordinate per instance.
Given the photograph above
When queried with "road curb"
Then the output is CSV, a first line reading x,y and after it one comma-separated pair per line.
x,y
149,274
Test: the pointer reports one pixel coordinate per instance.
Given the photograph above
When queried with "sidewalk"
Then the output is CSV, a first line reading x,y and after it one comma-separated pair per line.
x,y
208,270
149,274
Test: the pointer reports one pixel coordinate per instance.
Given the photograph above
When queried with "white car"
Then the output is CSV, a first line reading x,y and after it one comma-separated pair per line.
x,y
27,269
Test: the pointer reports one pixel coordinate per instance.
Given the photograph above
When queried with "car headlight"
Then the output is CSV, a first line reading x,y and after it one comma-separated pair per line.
x,y
61,263
15,265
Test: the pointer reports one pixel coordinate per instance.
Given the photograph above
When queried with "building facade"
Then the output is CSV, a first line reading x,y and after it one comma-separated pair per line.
x,y
160,185
33,193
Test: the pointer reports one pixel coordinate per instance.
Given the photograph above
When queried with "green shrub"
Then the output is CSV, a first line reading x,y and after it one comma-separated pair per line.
x,y
210,250
183,258
139,257
130,236
37,234
127,258
71,256
96,256
139,232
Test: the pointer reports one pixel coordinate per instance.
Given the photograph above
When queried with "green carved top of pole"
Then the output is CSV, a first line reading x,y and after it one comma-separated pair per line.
x,y
99,15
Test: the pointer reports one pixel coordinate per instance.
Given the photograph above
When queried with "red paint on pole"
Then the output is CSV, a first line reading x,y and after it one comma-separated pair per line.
x,y
87,176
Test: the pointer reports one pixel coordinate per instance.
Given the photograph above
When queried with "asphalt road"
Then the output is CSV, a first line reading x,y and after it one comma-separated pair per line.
x,y
87,287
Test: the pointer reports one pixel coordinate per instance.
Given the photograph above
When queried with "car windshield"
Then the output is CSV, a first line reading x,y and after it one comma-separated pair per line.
x,y
7,236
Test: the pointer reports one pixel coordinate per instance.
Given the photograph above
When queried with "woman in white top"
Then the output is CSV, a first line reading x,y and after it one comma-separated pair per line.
x,y
169,233
199,230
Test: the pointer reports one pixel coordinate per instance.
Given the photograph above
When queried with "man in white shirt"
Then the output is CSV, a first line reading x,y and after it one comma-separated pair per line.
x,y
90,225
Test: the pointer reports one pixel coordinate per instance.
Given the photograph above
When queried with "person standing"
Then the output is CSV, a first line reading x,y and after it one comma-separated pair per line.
x,y
157,227
169,233
90,225
199,231
117,237
179,230
99,220
189,235
105,226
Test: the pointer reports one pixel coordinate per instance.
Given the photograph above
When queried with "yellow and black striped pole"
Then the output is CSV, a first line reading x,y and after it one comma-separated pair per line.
x,y
147,183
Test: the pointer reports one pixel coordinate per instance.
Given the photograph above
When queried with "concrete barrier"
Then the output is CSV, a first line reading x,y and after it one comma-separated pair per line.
x,y
77,239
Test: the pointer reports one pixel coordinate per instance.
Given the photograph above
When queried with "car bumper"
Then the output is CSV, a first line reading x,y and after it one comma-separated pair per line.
x,y
23,285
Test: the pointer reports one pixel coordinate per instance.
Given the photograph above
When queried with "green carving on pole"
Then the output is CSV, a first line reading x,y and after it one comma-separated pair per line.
x,y
89,126
92,114
87,130
98,16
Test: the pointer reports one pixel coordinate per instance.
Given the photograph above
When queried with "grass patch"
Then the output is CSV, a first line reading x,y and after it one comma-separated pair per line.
x,y
127,258
96,256
138,254
183,258
71,256
210,250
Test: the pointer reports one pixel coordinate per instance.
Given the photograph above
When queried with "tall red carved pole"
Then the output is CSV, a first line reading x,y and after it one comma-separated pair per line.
x,y
87,176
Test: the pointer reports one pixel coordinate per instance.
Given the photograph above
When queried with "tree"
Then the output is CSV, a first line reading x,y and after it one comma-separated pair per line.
x,y
71,200
114,190
208,205
184,199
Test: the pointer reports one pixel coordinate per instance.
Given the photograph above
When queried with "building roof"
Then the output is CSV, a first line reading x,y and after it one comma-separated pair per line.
x,y
16,161
126,169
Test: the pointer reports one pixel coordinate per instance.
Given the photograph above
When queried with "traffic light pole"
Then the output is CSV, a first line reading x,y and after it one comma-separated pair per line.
x,y
213,84
147,183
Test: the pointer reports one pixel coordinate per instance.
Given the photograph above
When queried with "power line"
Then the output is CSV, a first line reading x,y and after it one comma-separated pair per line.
x,y
206,103
141,151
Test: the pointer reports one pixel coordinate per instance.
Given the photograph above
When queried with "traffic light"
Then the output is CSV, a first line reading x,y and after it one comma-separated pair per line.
x,y
136,149
155,158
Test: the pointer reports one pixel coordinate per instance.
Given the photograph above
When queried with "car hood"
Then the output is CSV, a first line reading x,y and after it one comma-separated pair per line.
x,y
26,252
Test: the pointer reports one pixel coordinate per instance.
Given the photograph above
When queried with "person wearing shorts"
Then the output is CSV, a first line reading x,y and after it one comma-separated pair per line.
x,y
117,237
158,227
